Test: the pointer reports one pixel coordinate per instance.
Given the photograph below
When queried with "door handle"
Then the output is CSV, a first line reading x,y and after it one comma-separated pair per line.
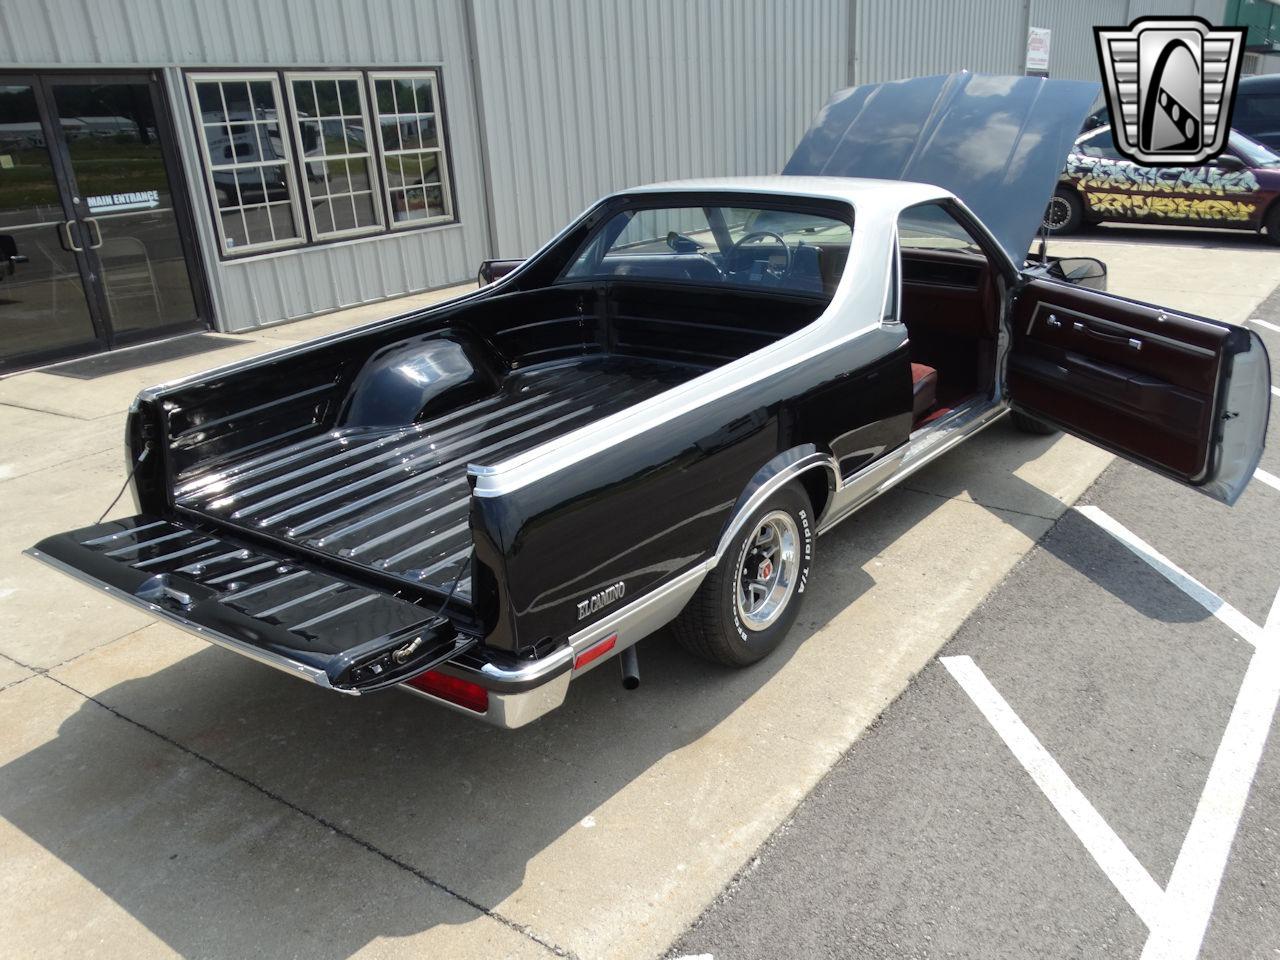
x,y
97,229
71,244
1087,330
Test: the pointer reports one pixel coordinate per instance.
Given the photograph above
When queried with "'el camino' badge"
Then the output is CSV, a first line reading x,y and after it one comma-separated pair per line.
x,y
598,601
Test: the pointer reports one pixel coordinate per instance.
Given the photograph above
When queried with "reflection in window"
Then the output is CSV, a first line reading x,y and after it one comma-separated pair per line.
x,y
247,161
410,131
930,227
332,128
778,249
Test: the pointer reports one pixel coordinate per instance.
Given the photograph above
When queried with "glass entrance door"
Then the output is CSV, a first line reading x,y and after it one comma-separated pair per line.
x,y
43,308
88,200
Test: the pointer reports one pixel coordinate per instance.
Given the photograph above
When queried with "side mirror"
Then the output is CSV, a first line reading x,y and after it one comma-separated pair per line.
x,y
1082,271
493,270
1228,161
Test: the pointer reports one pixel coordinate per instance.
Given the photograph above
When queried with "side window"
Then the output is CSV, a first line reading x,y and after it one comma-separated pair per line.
x,y
929,227
1100,145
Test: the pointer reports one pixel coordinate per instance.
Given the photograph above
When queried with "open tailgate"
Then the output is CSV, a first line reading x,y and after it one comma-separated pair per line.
x,y
292,616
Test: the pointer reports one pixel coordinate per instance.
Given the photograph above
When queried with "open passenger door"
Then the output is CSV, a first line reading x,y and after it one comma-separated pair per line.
x,y
1185,396
296,617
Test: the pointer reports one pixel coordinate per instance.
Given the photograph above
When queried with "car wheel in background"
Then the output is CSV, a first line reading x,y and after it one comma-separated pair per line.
x,y
1025,424
745,606
1065,212
1272,223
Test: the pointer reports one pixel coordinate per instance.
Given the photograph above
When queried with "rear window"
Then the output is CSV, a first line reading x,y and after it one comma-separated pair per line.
x,y
788,251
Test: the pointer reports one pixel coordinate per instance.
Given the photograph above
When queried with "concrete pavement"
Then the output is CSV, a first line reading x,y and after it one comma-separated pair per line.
x,y
160,796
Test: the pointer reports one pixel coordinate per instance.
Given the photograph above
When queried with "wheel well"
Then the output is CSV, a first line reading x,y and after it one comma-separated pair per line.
x,y
1268,213
817,484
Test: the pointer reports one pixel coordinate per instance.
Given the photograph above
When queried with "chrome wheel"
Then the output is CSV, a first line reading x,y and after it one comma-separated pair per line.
x,y
767,570
1057,214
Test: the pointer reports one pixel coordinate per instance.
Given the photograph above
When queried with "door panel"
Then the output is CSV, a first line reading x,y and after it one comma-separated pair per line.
x,y
125,201
43,310
1184,395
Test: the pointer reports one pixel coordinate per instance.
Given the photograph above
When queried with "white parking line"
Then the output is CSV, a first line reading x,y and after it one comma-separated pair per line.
x,y
1107,849
1264,324
1177,917
1270,479
1188,584
1197,873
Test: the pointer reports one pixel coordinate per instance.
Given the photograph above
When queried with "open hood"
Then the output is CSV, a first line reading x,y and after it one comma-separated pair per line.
x,y
997,143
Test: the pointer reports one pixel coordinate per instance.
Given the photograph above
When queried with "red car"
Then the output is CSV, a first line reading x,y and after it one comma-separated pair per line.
x,y
1239,189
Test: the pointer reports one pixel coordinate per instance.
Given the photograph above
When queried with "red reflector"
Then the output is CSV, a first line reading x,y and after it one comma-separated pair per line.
x,y
594,653
462,692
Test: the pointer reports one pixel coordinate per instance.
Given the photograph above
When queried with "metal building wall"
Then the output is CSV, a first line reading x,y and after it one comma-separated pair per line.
x,y
173,34
584,97
917,38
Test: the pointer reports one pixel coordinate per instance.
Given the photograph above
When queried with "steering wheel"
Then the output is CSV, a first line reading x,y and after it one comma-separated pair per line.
x,y
731,257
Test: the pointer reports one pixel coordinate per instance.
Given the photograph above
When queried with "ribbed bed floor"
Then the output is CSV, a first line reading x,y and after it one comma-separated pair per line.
x,y
397,499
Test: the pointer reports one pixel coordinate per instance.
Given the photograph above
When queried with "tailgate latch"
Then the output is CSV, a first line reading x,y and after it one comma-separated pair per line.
x,y
157,588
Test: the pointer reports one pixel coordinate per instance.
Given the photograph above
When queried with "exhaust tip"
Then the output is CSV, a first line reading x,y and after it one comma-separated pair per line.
x,y
630,664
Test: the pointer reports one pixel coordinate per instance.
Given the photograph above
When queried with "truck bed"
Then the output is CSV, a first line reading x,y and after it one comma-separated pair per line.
x,y
396,499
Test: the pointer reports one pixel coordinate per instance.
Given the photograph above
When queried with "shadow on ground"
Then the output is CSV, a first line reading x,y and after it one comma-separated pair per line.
x,y
442,799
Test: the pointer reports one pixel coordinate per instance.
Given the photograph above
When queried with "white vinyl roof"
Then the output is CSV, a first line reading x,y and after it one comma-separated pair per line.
x,y
888,197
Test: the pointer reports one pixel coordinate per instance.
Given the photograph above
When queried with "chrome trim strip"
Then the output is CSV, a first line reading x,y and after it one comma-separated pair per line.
x,y
318,677
925,446
642,616
784,475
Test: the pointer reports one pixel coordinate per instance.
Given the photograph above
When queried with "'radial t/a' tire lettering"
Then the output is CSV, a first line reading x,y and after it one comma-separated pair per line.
x,y
745,606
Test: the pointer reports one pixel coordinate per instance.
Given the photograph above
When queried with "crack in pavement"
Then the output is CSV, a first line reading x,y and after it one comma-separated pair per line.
x,y
516,926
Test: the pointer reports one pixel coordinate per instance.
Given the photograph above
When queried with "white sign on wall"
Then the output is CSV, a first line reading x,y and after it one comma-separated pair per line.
x,y
1038,51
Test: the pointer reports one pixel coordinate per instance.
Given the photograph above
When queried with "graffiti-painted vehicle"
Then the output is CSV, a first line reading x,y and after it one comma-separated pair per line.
x,y
1239,189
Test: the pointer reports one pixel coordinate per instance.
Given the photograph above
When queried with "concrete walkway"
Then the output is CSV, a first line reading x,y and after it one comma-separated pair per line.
x,y
160,796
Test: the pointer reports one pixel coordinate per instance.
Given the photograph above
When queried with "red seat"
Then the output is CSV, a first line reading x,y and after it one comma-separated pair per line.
x,y
924,390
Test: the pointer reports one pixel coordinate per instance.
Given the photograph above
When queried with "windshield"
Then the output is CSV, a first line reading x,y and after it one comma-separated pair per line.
x,y
1252,152
785,250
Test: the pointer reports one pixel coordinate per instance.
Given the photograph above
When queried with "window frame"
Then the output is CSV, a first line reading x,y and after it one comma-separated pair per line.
x,y
307,238
195,78
446,167
380,224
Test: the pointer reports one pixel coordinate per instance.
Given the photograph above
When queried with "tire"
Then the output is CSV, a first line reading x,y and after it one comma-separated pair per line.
x,y
1272,223
719,625
1065,212
1025,424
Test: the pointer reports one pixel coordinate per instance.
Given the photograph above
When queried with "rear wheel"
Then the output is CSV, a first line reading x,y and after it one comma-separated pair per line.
x,y
745,606
1065,212
1031,425
1272,223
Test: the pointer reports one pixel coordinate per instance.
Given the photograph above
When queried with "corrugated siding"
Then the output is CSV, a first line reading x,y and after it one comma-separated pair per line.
x,y
917,38
584,97
282,33
1072,54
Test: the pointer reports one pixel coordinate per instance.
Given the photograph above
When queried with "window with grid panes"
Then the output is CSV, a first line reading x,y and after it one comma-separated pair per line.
x,y
335,153
414,175
247,161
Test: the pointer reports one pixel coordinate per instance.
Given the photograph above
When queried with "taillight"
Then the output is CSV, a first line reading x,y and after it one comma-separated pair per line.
x,y
454,689
595,652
